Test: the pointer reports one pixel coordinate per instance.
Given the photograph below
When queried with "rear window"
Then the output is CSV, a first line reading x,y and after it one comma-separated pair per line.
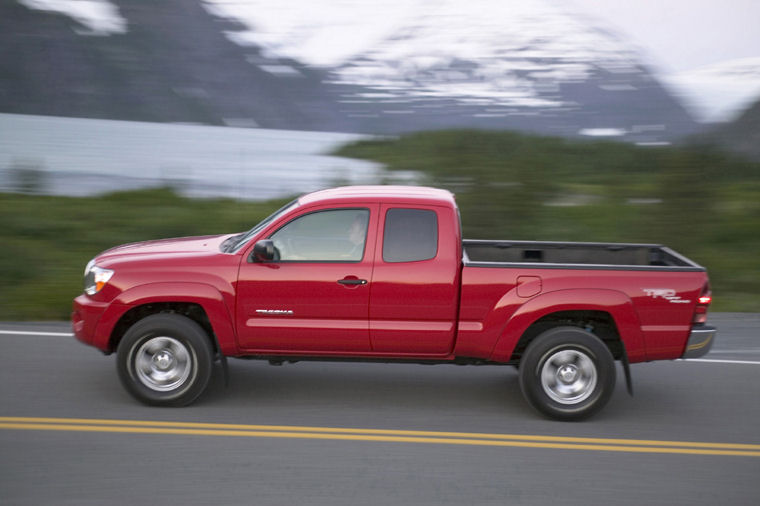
x,y
410,235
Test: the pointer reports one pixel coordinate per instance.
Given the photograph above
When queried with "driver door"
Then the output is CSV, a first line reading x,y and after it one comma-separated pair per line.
x,y
315,296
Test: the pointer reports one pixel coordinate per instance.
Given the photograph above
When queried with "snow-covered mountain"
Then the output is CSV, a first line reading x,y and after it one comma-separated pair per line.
x,y
518,64
483,51
386,66
99,17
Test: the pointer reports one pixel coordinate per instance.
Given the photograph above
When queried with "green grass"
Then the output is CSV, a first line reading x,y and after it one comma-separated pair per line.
x,y
47,241
701,202
708,208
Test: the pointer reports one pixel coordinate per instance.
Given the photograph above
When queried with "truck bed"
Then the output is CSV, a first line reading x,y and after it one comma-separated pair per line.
x,y
581,255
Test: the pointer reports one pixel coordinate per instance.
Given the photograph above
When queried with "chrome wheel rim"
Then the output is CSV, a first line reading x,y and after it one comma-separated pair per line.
x,y
568,376
163,364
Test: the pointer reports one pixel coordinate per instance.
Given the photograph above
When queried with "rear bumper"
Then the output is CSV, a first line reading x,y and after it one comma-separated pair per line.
x,y
700,341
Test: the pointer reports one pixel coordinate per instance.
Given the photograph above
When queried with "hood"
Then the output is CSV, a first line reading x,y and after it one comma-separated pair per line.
x,y
165,247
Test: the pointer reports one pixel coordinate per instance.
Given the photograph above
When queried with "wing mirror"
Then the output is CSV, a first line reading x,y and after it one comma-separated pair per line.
x,y
263,251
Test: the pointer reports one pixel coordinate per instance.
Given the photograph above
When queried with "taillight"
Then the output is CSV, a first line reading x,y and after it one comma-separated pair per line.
x,y
703,302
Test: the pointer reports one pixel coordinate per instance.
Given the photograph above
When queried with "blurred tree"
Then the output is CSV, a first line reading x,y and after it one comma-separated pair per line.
x,y
27,176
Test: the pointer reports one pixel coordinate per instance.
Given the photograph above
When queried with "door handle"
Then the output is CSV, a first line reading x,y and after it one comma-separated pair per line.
x,y
352,281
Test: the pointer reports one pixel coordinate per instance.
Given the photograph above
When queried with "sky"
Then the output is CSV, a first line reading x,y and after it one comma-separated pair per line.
x,y
683,34
687,41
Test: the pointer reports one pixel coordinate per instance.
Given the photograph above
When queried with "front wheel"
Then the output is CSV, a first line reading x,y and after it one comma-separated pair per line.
x,y
165,360
567,373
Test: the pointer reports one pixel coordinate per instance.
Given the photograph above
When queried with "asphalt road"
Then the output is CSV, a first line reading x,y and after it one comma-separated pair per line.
x,y
372,434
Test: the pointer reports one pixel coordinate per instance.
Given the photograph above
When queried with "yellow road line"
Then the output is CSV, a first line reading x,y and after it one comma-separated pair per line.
x,y
399,436
288,428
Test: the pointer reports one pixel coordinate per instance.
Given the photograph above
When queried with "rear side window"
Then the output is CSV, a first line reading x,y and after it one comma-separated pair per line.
x,y
410,235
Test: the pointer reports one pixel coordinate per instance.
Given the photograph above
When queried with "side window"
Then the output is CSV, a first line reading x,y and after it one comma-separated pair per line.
x,y
336,235
410,235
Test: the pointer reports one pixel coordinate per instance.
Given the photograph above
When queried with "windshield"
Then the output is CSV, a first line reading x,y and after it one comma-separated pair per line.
x,y
234,243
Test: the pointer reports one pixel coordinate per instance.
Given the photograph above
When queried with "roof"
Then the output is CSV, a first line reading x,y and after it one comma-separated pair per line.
x,y
380,193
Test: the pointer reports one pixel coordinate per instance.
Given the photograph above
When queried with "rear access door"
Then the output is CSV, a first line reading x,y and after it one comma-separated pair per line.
x,y
414,291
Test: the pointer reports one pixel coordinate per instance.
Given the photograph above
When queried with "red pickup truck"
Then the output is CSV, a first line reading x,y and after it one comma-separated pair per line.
x,y
381,273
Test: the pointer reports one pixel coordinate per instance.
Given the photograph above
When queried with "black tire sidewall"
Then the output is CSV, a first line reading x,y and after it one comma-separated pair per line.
x,y
566,338
190,335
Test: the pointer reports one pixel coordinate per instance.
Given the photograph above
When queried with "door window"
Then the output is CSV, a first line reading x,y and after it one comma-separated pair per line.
x,y
336,235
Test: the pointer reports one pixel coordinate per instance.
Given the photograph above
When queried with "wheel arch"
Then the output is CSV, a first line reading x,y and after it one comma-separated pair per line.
x,y
609,313
201,303
192,310
599,323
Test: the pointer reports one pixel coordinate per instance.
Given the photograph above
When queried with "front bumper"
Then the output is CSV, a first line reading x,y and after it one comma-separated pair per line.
x,y
700,341
85,316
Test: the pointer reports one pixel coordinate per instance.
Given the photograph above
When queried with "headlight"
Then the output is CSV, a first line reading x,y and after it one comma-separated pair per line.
x,y
95,278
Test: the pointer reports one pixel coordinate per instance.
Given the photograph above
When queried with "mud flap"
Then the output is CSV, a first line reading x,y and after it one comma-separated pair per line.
x,y
225,369
627,371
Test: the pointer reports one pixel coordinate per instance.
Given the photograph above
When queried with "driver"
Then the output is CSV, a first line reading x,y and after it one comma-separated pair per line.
x,y
357,232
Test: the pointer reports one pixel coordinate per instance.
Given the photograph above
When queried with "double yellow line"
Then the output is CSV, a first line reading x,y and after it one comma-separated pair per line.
x,y
392,436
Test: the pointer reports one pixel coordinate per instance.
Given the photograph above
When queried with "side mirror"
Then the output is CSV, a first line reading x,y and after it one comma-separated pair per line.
x,y
263,251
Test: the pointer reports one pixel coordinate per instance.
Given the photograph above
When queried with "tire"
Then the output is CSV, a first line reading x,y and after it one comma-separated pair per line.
x,y
567,373
165,360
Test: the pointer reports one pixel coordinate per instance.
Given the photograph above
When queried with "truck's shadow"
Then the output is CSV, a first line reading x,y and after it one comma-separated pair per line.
x,y
367,386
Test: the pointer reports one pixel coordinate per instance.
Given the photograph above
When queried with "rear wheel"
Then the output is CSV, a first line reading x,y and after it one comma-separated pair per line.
x,y
165,360
567,373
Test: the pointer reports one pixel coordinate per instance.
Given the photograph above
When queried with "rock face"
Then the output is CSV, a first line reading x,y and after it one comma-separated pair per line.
x,y
445,64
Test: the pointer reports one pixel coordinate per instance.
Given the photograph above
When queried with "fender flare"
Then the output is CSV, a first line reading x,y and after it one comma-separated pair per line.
x,y
617,304
207,296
